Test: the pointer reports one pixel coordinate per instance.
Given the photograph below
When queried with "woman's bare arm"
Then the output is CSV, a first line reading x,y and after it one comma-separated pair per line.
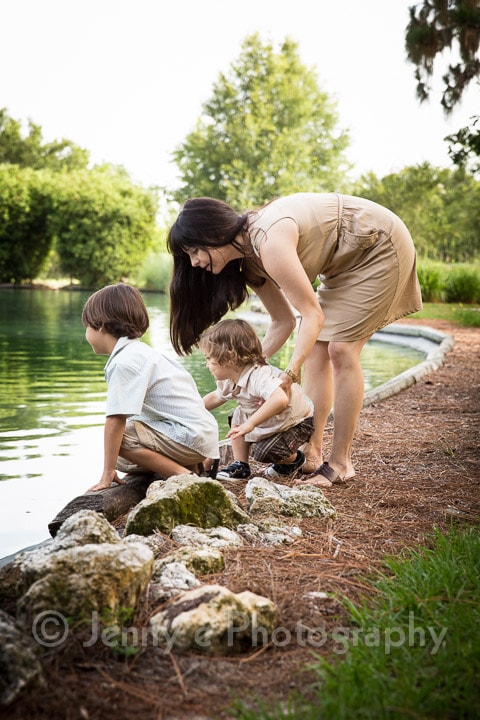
x,y
279,257
282,317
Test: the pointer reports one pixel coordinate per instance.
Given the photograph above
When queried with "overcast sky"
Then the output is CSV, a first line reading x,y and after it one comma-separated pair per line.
x,y
126,79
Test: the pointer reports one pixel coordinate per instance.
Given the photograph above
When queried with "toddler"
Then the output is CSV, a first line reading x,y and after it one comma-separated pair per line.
x,y
267,422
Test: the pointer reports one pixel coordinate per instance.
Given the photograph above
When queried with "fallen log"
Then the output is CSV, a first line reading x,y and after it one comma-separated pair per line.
x,y
111,502
119,499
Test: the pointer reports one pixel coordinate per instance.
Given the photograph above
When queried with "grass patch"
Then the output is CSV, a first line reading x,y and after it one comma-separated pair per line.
x,y
453,312
413,651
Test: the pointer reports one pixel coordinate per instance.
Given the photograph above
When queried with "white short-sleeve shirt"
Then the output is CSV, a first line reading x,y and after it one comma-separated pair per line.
x,y
150,387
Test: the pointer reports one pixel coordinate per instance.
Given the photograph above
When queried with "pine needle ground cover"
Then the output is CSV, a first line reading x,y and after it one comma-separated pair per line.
x,y
411,649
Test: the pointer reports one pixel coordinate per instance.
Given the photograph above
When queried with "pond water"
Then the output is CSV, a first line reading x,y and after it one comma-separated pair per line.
x,y
52,402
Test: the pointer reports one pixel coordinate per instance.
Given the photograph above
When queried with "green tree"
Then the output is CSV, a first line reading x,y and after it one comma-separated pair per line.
x,y
31,151
103,224
464,146
25,240
435,26
99,223
267,130
440,207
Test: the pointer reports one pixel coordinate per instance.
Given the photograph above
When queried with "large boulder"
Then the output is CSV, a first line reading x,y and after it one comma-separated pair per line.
x,y
185,499
268,498
214,621
75,582
85,527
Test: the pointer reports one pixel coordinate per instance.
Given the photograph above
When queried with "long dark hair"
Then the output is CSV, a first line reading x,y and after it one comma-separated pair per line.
x,y
199,298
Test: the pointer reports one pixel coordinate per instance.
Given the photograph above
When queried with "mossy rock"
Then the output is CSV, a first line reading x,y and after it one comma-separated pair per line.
x,y
185,500
200,561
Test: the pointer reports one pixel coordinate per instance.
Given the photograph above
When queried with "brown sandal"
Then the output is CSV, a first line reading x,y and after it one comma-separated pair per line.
x,y
324,476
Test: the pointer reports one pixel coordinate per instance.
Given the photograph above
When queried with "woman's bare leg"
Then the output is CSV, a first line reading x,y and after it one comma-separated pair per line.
x,y
348,400
318,385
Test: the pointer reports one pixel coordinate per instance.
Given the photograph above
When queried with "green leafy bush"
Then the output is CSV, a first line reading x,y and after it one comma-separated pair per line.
x,y
155,272
430,277
96,224
462,285
103,224
25,205
451,283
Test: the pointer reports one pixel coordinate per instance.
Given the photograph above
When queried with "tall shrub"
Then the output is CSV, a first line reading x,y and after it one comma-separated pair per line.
x,y
430,277
462,285
25,205
103,224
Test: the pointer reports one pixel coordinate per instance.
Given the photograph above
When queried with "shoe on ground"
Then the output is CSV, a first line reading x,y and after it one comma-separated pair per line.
x,y
279,470
238,470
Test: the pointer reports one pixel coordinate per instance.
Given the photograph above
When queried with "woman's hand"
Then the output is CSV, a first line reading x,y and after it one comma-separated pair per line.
x,y
286,385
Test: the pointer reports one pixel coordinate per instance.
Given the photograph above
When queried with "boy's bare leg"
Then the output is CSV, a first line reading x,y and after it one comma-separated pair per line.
x,y
154,462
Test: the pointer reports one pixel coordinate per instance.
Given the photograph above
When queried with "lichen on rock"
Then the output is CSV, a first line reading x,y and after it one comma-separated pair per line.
x,y
215,621
182,500
269,498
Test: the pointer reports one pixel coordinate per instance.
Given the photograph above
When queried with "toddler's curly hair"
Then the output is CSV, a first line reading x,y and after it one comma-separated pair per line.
x,y
232,342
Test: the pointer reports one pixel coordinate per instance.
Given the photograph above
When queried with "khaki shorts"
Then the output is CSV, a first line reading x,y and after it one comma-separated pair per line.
x,y
138,435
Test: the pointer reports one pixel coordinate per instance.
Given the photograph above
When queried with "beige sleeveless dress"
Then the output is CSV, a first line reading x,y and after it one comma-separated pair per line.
x,y
362,253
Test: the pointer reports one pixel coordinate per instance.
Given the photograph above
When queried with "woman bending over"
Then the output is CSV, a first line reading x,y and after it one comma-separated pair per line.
x,y
365,260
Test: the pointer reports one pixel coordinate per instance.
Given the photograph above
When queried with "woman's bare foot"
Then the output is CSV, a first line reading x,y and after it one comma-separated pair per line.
x,y
313,460
325,476
344,473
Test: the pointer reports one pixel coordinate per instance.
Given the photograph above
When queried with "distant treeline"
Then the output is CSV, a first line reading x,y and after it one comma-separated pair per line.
x,y
96,226
441,208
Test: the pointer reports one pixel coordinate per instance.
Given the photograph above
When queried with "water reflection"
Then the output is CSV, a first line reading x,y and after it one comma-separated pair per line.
x,y
52,402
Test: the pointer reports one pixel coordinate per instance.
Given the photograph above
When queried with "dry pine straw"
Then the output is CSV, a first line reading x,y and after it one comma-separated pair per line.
x,y
417,462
